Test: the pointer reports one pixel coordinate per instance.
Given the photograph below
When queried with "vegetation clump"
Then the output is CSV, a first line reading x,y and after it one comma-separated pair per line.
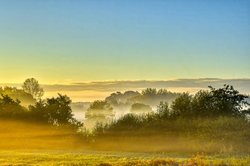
x,y
215,120
55,111
211,121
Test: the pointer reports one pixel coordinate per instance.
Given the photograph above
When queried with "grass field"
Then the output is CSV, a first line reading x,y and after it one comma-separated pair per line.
x,y
32,144
115,158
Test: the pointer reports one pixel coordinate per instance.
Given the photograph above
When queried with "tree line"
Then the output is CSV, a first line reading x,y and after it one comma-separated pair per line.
x,y
55,111
225,101
205,104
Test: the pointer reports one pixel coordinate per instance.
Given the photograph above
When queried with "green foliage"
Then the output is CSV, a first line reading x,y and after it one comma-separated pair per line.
x,y
152,97
32,87
148,132
127,122
99,108
140,108
204,104
25,98
149,96
10,108
227,100
224,101
121,99
100,105
149,92
213,120
59,110
55,110
182,105
163,110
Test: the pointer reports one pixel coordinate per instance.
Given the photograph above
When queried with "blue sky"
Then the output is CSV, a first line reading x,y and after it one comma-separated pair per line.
x,y
63,41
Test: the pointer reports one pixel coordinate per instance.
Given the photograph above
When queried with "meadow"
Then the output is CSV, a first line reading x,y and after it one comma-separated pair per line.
x,y
209,128
124,83
103,158
24,143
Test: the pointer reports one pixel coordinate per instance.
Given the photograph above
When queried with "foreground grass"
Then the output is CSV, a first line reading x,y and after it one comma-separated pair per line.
x,y
151,134
37,144
114,159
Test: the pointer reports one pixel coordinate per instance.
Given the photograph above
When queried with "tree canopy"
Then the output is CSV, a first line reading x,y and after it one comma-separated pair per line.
x,y
25,98
99,108
222,101
55,110
32,87
140,108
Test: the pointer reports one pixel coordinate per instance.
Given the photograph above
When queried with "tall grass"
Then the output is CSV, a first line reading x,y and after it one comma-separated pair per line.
x,y
222,134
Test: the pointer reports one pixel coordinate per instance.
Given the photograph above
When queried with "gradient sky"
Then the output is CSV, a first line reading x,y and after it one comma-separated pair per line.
x,y
64,41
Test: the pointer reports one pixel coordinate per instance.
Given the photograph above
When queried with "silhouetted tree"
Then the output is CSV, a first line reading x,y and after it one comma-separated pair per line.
x,y
10,108
121,99
39,112
32,87
163,109
227,100
55,110
149,92
222,101
152,97
182,105
202,104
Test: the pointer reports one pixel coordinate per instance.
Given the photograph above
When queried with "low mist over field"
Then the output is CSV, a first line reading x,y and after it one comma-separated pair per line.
x,y
125,83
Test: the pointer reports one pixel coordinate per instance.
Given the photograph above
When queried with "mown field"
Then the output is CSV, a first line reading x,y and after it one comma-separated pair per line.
x,y
98,158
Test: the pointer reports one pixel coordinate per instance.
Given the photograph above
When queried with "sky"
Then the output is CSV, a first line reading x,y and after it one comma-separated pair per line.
x,y
72,41
65,41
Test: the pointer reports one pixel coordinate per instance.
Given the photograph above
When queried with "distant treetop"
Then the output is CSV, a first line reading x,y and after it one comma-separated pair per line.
x,y
32,87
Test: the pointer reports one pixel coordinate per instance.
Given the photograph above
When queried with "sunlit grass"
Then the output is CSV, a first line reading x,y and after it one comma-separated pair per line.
x,y
23,143
207,135
114,159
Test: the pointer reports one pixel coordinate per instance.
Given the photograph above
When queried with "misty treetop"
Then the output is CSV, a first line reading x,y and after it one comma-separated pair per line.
x,y
153,97
140,108
30,92
55,111
225,101
213,119
119,99
9,107
119,104
99,108
149,96
32,87
18,94
212,103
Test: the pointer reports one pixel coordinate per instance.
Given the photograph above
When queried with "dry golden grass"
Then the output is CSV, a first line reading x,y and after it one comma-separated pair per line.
x,y
94,158
23,143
